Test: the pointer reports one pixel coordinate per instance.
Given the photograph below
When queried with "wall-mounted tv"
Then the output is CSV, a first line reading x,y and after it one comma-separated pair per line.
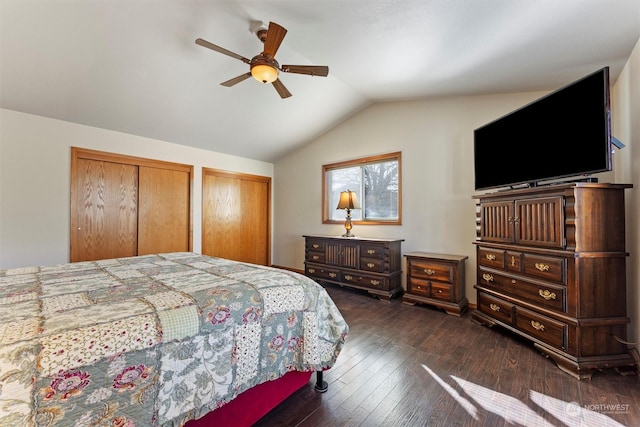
x,y
561,135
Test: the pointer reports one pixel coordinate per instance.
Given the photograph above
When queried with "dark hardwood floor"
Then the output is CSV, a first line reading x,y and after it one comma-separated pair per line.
x,y
408,365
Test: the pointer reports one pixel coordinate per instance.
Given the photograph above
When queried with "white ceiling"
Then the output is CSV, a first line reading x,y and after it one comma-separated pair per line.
x,y
133,65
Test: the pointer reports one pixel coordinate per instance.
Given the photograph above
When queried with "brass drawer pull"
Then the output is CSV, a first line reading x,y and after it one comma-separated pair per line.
x,y
513,261
429,271
490,257
537,326
333,275
375,282
315,257
371,251
542,267
439,291
348,277
494,307
315,246
547,295
487,277
312,270
370,265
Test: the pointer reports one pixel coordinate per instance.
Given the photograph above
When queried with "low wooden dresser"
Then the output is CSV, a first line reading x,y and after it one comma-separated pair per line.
x,y
373,265
436,279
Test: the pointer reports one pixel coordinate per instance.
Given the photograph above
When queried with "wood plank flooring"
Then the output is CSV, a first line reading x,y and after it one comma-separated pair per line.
x,y
410,366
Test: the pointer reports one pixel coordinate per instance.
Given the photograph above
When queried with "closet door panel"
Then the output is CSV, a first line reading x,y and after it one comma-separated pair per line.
x,y
104,210
254,236
164,210
236,216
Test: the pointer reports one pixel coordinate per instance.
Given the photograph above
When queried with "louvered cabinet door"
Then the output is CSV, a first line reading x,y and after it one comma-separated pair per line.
x,y
164,214
496,221
104,210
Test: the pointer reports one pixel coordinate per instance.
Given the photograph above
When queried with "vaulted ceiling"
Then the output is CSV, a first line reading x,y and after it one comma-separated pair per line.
x,y
133,65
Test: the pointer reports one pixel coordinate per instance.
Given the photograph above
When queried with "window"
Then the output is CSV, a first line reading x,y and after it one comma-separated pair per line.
x,y
376,181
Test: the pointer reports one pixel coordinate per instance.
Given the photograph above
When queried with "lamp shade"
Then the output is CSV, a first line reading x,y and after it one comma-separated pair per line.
x,y
348,200
264,73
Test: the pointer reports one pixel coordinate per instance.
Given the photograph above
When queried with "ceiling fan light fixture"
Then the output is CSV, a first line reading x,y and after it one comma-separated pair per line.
x,y
264,73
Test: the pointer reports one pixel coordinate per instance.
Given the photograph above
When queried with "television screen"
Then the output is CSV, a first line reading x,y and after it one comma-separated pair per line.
x,y
564,134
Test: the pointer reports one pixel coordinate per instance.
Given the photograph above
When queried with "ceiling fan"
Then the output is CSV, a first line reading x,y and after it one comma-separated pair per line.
x,y
264,67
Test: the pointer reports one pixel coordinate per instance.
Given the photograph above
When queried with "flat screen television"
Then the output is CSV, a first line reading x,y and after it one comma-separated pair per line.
x,y
564,134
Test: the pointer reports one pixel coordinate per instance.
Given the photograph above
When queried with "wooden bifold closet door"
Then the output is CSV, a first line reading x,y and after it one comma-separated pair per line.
x,y
125,206
236,216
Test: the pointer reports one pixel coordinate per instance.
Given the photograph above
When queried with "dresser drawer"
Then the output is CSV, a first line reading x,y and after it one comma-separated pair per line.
x,y
491,257
314,256
373,282
431,270
372,264
513,261
496,308
542,327
547,268
372,251
542,294
322,272
315,245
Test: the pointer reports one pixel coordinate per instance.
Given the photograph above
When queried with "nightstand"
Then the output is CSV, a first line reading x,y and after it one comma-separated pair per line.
x,y
436,279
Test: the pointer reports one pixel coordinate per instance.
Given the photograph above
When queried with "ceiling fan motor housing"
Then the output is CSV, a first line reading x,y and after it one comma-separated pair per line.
x,y
262,34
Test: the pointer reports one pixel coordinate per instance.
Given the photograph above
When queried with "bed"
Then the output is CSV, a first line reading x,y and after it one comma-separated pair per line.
x,y
159,340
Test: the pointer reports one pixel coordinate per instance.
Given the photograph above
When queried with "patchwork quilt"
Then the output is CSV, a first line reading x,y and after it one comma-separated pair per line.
x,y
153,340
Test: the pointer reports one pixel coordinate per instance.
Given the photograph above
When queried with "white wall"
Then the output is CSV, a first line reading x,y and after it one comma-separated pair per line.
x,y
35,169
626,127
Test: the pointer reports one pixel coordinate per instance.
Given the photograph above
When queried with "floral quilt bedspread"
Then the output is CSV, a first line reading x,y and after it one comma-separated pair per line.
x,y
153,340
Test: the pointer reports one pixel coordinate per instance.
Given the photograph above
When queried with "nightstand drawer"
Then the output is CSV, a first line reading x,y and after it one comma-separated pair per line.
x,y
441,291
418,286
431,271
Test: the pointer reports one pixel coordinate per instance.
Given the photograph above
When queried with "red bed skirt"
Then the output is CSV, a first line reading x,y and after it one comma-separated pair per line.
x,y
253,404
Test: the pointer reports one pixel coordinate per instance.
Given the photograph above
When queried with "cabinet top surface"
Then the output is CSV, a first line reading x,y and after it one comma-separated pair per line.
x,y
430,255
549,188
354,239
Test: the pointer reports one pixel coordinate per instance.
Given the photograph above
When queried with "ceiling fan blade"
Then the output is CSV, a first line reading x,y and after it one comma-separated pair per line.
x,y
282,91
236,80
217,48
275,35
312,70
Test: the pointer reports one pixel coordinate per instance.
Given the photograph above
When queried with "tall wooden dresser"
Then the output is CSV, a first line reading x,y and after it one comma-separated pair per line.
x,y
551,268
373,265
